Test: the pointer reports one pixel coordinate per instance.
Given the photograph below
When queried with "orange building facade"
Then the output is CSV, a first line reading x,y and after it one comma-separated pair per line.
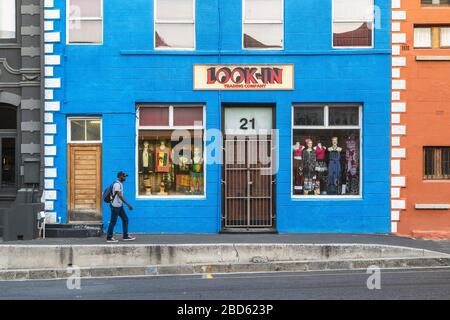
x,y
420,117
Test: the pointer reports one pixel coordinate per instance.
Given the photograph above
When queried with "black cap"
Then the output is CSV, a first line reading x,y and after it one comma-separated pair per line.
x,y
121,174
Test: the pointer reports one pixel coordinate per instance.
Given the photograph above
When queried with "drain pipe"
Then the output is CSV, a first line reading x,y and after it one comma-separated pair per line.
x,y
42,109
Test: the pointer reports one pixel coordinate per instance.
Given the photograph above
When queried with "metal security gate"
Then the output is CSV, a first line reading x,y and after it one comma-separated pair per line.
x,y
249,183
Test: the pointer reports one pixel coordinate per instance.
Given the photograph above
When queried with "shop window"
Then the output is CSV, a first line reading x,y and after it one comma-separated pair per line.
x,y
263,24
175,24
436,2
85,22
170,156
326,152
84,130
432,37
353,23
437,163
7,19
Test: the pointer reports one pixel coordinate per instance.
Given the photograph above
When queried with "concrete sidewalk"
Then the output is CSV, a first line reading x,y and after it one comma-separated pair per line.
x,y
237,238
217,253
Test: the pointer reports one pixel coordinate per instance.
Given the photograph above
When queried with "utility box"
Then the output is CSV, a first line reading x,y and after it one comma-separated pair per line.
x,y
20,221
31,170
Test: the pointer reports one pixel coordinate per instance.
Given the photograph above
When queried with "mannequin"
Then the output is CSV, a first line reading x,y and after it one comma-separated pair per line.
x,y
309,168
146,166
298,149
183,177
163,158
197,172
162,191
147,158
334,167
321,167
298,167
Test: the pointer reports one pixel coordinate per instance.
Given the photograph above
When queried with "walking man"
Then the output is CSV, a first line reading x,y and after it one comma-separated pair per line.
x,y
117,210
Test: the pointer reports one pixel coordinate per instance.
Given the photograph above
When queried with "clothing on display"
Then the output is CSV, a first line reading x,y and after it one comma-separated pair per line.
x,y
162,158
163,172
351,163
309,169
146,158
334,172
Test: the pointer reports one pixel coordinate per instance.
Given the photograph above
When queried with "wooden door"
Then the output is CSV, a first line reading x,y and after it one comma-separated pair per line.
x,y
84,183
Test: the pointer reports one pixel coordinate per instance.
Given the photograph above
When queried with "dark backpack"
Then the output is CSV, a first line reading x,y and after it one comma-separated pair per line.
x,y
108,195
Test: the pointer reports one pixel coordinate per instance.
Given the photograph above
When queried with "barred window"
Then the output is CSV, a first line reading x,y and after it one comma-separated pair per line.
x,y
436,2
437,163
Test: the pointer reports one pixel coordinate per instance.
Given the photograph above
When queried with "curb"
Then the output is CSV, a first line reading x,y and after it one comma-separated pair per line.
x,y
200,269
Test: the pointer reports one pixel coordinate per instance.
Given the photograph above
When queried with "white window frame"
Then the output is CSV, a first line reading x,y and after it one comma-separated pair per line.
x,y
69,130
158,21
277,22
16,27
352,21
430,29
441,28
68,18
171,127
326,126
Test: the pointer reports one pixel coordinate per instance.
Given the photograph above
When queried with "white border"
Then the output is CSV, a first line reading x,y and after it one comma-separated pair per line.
x,y
277,22
156,21
295,197
83,19
69,131
353,21
170,127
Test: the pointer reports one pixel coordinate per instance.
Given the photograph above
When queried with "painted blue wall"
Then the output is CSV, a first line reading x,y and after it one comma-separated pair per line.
x,y
109,80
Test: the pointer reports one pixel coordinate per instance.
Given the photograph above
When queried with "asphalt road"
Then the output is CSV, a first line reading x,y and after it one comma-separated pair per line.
x,y
395,284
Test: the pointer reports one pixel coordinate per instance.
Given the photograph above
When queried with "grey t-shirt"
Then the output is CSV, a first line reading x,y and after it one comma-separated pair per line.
x,y
117,188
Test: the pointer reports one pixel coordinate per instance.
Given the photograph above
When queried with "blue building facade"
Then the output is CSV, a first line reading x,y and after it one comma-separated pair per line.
x,y
118,72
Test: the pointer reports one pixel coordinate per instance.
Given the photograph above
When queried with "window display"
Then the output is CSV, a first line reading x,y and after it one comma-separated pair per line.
x,y
170,161
326,158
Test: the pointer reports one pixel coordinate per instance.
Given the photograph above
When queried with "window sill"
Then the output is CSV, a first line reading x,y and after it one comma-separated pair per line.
x,y
432,58
432,206
325,198
170,198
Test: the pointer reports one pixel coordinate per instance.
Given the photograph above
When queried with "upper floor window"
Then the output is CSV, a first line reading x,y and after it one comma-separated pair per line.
x,y
436,2
353,22
175,24
263,24
7,19
85,22
432,37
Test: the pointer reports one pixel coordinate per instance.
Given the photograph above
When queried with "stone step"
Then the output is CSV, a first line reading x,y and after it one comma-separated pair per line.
x,y
73,230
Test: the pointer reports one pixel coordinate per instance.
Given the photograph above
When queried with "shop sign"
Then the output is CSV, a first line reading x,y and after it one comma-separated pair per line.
x,y
244,77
